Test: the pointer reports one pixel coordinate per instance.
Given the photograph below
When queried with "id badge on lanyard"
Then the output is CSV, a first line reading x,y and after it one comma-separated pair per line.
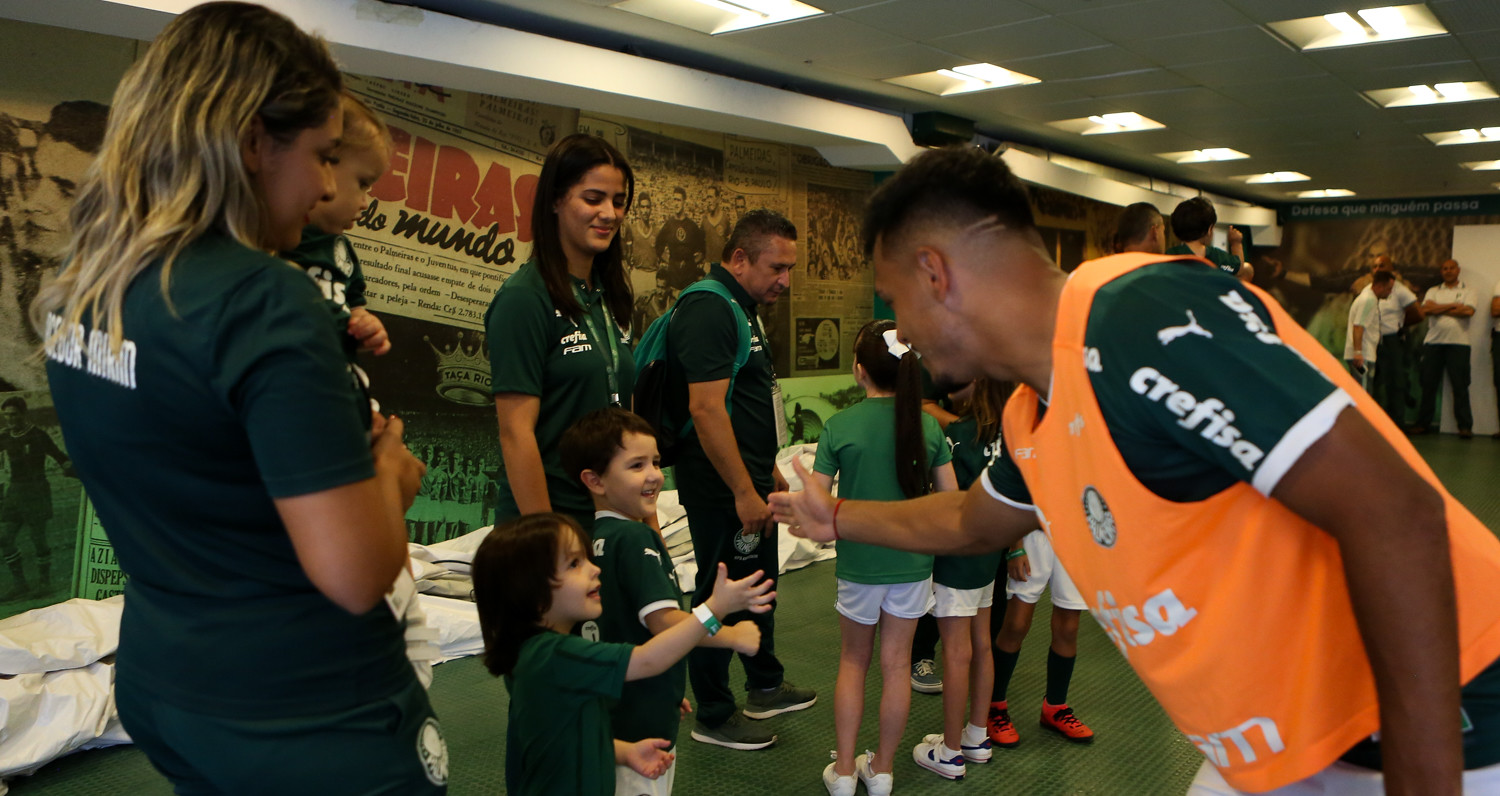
x,y
611,359
778,408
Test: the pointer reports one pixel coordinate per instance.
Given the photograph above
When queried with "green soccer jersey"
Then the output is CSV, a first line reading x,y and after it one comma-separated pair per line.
x,y
970,456
636,581
535,350
331,263
1226,262
557,735
233,394
859,445
701,346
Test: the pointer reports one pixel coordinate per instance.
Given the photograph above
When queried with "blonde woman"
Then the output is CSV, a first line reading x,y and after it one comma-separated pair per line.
x,y
203,395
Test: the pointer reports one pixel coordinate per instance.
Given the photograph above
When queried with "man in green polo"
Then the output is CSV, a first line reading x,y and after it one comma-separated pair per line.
x,y
727,463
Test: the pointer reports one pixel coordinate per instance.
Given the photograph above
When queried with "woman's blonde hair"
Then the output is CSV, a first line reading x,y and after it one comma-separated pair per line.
x,y
170,168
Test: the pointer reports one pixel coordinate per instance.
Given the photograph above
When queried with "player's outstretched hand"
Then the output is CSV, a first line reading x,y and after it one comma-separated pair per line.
x,y
751,593
1019,568
807,513
648,757
744,637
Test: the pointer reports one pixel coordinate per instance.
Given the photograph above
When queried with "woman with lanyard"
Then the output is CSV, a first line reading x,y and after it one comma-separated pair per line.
x,y
558,329
214,425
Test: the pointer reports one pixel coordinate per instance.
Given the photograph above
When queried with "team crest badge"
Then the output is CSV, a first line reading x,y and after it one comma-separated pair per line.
x,y
681,234
432,750
1101,521
343,257
745,541
589,631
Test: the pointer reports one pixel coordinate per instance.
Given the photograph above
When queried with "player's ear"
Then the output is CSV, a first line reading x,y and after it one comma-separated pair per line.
x,y
592,482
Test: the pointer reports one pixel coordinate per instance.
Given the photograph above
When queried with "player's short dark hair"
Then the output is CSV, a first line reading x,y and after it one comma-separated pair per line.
x,y
754,231
1193,218
512,571
15,401
960,184
593,440
1135,224
678,191
1382,277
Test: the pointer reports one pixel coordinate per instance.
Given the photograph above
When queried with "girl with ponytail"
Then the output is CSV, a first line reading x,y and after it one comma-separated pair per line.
x,y
883,448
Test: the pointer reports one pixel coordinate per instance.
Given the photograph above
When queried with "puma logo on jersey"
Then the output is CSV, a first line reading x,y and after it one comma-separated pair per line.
x,y
598,548
648,551
1245,743
575,342
1151,383
1091,361
1253,324
1171,333
1132,626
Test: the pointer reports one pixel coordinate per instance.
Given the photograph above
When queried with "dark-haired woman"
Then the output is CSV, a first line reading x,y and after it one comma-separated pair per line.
x,y
559,327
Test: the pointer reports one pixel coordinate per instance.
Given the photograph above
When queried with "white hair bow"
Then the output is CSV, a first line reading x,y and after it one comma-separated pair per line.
x,y
897,348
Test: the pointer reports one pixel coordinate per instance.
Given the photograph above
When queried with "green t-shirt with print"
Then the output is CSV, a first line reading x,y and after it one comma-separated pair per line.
x,y
970,456
1275,404
859,445
1226,262
557,734
702,344
635,580
232,395
535,350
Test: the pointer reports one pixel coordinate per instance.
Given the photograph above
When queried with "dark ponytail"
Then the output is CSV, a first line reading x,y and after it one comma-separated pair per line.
x,y
903,377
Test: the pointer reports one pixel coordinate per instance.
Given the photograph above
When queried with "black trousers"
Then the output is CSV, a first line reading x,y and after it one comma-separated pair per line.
x,y
717,537
1454,360
1392,359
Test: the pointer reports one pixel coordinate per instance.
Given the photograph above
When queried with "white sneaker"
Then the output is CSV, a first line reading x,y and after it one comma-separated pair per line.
x,y
875,784
935,756
837,785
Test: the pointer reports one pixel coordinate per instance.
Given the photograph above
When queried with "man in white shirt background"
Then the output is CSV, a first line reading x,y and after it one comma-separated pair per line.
x,y
1363,338
1448,308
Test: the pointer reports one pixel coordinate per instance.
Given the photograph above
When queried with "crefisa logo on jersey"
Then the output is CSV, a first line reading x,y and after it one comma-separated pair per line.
x,y
1101,521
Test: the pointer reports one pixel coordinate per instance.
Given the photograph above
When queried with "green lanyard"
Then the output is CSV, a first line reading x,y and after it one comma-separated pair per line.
x,y
611,360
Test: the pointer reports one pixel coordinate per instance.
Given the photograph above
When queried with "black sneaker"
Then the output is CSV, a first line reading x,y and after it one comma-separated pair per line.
x,y
784,698
736,733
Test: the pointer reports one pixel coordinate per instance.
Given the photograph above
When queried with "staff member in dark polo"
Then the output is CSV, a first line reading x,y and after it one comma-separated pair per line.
x,y
559,327
727,464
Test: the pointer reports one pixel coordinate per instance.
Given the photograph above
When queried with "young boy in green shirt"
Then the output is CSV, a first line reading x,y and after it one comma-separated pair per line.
x,y
613,452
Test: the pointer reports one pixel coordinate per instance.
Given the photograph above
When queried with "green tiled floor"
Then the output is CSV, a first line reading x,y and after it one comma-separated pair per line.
x,y
1136,752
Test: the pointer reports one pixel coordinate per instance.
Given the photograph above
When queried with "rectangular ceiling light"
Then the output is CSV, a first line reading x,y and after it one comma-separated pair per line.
x,y
1482,165
1204,155
1324,193
1273,176
1368,26
1108,123
1439,94
719,16
1471,135
963,79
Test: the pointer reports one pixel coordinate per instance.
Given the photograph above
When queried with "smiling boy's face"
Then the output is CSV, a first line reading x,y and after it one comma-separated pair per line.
x,y
632,482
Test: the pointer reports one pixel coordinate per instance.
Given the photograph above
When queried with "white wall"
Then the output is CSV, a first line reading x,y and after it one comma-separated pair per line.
x,y
1477,250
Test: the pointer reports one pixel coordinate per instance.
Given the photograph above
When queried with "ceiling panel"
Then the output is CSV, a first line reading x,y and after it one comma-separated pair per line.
x,y
808,39
1129,83
1436,50
1152,19
905,59
1067,6
1262,11
930,19
1467,15
1196,48
1021,40
1251,70
1093,62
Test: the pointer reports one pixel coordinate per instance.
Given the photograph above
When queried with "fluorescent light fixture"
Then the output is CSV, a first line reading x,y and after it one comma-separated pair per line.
x,y
1482,135
719,16
1273,176
1211,155
1482,165
1370,26
963,79
1324,193
1409,96
1102,124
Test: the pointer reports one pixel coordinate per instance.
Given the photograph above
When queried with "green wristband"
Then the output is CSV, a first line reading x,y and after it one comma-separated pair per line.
x,y
1015,554
705,615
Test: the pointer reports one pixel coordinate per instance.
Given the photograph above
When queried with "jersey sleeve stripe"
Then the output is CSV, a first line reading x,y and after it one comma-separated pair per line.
x,y
984,480
1311,428
651,608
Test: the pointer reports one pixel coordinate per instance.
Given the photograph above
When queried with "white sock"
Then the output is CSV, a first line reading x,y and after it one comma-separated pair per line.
x,y
973,736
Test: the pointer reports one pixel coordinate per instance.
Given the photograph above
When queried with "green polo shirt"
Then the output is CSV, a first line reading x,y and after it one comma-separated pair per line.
x,y
859,445
970,456
234,394
635,581
1281,405
557,735
534,350
1226,262
701,346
